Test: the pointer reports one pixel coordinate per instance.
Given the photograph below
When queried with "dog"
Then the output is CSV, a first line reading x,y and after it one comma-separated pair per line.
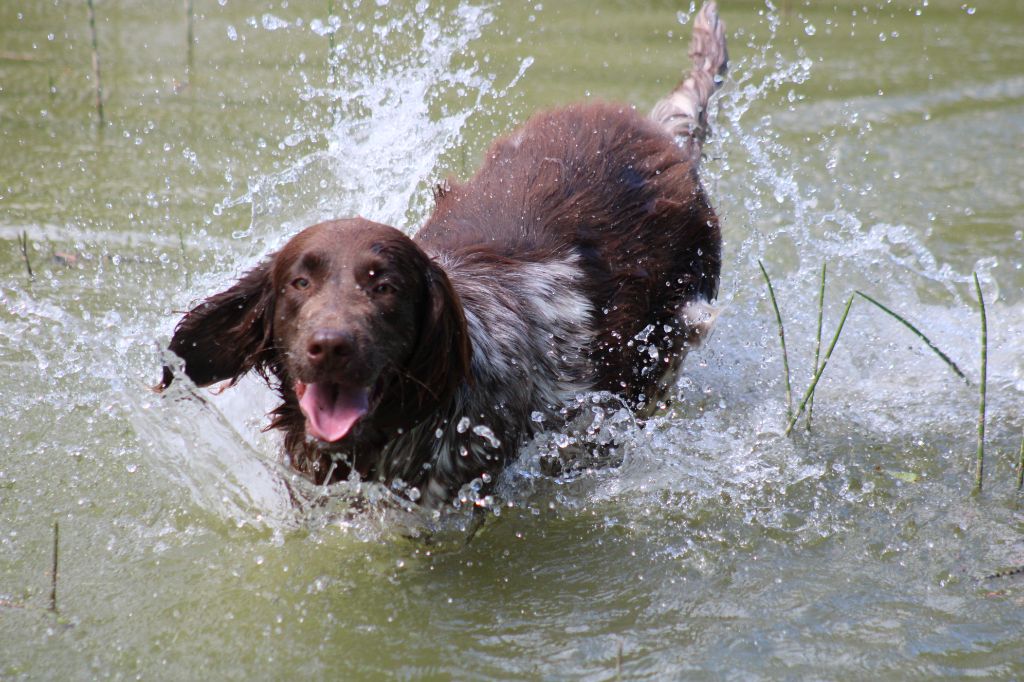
x,y
583,256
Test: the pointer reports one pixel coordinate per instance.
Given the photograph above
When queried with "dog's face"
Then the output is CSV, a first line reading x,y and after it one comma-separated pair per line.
x,y
349,303
362,329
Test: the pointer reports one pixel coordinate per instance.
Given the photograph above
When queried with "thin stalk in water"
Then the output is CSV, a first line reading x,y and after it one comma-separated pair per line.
x,y
1020,465
53,571
332,58
817,340
782,340
945,358
184,260
821,370
97,82
980,465
190,40
23,242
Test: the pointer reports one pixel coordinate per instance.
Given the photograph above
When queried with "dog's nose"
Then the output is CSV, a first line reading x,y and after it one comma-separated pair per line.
x,y
326,345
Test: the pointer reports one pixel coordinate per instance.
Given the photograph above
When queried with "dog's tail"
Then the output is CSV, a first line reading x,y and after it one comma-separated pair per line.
x,y
684,111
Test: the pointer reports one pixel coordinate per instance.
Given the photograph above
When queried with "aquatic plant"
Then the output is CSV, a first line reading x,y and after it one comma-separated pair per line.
x,y
980,464
821,370
782,340
917,332
97,80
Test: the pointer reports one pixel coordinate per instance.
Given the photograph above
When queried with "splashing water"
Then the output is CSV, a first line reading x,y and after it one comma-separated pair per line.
x,y
388,120
387,124
698,539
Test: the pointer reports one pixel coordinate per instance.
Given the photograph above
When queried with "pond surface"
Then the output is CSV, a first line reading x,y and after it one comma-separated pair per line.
x,y
884,139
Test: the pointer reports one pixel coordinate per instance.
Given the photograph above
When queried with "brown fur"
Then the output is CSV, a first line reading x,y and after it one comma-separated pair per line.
x,y
580,257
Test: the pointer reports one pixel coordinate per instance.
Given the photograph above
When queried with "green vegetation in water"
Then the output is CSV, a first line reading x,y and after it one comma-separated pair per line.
x,y
782,341
917,332
821,370
190,40
53,568
97,81
980,464
806,402
1020,465
52,607
23,243
332,57
817,338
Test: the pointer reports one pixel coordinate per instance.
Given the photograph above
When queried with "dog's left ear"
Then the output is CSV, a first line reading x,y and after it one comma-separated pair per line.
x,y
228,334
440,362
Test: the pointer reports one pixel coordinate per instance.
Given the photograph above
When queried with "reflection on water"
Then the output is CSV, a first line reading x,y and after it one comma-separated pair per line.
x,y
717,545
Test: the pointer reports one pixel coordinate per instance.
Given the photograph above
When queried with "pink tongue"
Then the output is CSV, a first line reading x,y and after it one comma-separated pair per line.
x,y
331,409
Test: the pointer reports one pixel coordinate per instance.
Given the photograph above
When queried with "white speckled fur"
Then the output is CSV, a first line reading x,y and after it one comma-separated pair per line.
x,y
530,326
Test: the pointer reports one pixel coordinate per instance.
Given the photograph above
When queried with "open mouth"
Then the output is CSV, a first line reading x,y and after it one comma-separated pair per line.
x,y
331,409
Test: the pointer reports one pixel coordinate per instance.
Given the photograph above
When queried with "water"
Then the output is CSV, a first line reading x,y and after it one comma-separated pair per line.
x,y
881,138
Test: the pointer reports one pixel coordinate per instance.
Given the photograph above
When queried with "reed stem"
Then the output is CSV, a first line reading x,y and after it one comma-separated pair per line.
x,y
917,332
53,572
821,370
191,40
782,341
980,465
98,83
23,242
332,57
1020,465
817,339
184,260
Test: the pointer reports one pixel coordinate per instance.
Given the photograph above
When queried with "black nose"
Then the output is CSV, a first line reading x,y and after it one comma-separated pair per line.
x,y
329,345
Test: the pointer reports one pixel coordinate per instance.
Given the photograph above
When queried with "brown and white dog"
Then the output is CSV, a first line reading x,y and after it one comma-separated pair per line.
x,y
582,256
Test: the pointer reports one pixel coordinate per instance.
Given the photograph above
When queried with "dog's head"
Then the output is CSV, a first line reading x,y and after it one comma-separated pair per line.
x,y
360,326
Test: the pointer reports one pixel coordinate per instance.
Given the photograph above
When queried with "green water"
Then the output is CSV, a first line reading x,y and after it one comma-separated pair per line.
x,y
885,139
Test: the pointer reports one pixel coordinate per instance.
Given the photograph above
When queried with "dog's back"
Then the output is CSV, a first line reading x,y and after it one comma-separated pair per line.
x,y
620,193
611,189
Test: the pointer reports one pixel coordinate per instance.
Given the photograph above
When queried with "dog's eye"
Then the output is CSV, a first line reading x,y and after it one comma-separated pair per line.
x,y
384,288
300,283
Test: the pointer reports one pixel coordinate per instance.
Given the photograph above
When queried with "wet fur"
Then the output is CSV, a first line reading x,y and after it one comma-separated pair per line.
x,y
581,257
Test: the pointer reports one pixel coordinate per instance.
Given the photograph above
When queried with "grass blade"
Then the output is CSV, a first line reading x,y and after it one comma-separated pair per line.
x,y
23,243
1020,465
817,340
782,340
980,466
821,370
53,569
917,332
190,41
97,81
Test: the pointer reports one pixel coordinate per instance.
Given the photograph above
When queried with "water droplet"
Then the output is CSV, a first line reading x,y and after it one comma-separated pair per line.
x,y
487,435
463,425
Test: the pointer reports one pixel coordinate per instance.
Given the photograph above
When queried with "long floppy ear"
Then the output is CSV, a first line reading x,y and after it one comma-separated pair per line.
x,y
440,361
228,334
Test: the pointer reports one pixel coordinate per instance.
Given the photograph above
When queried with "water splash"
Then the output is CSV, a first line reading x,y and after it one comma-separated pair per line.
x,y
389,115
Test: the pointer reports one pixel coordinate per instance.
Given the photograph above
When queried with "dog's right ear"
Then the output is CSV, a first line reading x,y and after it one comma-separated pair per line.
x,y
229,333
